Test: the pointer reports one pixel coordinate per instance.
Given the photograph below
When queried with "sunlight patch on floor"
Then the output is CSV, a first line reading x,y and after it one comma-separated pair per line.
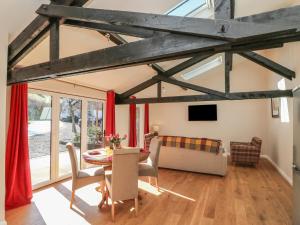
x,y
54,203
177,194
54,208
145,186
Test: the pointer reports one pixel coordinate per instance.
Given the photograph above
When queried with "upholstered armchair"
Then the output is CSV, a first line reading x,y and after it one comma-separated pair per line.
x,y
246,152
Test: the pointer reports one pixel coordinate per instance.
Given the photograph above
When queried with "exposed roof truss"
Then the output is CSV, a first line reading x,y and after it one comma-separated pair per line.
x,y
164,38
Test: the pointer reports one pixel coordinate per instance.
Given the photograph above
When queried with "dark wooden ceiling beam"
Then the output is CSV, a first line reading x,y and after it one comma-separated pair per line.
x,y
145,51
228,66
159,89
285,16
224,9
118,40
33,34
269,64
126,30
191,86
169,73
219,29
54,40
197,98
136,53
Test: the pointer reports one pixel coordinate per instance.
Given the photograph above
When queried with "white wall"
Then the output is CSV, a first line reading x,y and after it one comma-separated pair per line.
x,y
122,122
3,92
280,133
237,121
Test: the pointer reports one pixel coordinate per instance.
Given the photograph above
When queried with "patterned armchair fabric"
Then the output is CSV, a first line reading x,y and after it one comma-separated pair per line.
x,y
246,152
148,138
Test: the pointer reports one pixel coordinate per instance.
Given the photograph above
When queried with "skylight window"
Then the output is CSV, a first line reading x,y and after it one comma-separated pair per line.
x,y
186,7
202,9
202,69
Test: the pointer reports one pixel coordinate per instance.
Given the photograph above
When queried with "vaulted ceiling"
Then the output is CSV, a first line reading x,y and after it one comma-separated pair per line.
x,y
75,41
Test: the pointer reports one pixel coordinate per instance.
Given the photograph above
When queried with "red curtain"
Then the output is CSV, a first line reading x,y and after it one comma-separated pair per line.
x,y
132,125
17,168
110,126
146,121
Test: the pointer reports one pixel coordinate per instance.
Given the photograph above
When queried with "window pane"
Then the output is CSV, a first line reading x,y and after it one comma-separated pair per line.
x,y
94,125
69,131
39,136
186,7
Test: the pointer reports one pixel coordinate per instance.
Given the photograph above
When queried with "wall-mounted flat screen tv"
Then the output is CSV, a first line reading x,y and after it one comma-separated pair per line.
x,y
203,113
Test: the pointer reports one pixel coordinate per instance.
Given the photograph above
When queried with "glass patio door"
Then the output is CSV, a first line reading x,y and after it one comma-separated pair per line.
x,y
54,120
69,131
39,136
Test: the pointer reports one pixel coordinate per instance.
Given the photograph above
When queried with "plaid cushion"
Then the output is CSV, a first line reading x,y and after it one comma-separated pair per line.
x,y
246,152
199,144
147,140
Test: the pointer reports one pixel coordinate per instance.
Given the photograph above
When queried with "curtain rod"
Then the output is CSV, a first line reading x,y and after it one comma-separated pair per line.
x,y
80,85
64,93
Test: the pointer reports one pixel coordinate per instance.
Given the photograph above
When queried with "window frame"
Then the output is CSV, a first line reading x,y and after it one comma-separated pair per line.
x,y
54,142
207,5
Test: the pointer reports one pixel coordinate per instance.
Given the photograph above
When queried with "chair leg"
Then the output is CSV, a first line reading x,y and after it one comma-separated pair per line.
x,y
149,180
156,183
113,210
136,205
106,196
72,199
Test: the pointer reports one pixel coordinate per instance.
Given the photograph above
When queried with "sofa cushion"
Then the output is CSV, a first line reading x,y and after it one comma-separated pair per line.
x,y
200,144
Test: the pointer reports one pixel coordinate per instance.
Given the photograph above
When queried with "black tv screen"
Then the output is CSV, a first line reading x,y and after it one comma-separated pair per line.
x,y
203,113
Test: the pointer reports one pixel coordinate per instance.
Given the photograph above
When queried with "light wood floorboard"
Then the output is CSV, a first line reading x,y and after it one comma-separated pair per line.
x,y
246,196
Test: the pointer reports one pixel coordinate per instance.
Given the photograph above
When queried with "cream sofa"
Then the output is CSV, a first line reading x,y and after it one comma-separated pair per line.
x,y
194,161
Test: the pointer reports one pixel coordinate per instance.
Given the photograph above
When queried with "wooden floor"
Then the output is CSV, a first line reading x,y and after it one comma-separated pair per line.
x,y
245,196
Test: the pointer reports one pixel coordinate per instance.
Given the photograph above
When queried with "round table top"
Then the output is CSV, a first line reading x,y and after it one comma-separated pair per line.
x,y
104,158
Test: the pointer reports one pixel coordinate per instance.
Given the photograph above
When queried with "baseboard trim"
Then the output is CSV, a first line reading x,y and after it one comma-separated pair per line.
x,y
3,223
280,171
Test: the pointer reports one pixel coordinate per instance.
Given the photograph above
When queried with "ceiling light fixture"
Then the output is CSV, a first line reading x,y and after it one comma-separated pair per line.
x,y
202,69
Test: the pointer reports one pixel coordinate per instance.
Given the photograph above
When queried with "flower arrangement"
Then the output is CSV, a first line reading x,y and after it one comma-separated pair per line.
x,y
115,140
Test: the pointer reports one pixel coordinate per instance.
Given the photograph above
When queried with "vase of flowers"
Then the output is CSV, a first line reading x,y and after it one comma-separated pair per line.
x,y
115,141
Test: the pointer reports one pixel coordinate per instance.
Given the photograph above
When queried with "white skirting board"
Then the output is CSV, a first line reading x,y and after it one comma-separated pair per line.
x,y
283,174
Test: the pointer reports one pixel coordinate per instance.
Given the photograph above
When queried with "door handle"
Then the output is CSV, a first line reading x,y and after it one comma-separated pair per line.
x,y
296,169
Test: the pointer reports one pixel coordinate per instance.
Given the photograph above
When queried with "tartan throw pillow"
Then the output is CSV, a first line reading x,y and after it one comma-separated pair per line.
x,y
147,140
198,144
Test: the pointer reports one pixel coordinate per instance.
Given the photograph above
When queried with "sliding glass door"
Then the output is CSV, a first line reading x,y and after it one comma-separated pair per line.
x,y
55,120
69,131
94,125
39,135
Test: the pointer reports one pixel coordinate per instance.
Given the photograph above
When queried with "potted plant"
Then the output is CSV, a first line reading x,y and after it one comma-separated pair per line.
x,y
115,141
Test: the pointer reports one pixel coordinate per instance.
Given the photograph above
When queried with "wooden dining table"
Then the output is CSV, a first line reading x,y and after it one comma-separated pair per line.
x,y
103,157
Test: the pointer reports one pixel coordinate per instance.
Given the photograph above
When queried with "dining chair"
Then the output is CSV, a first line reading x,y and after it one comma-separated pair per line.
x,y
122,183
150,168
81,178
